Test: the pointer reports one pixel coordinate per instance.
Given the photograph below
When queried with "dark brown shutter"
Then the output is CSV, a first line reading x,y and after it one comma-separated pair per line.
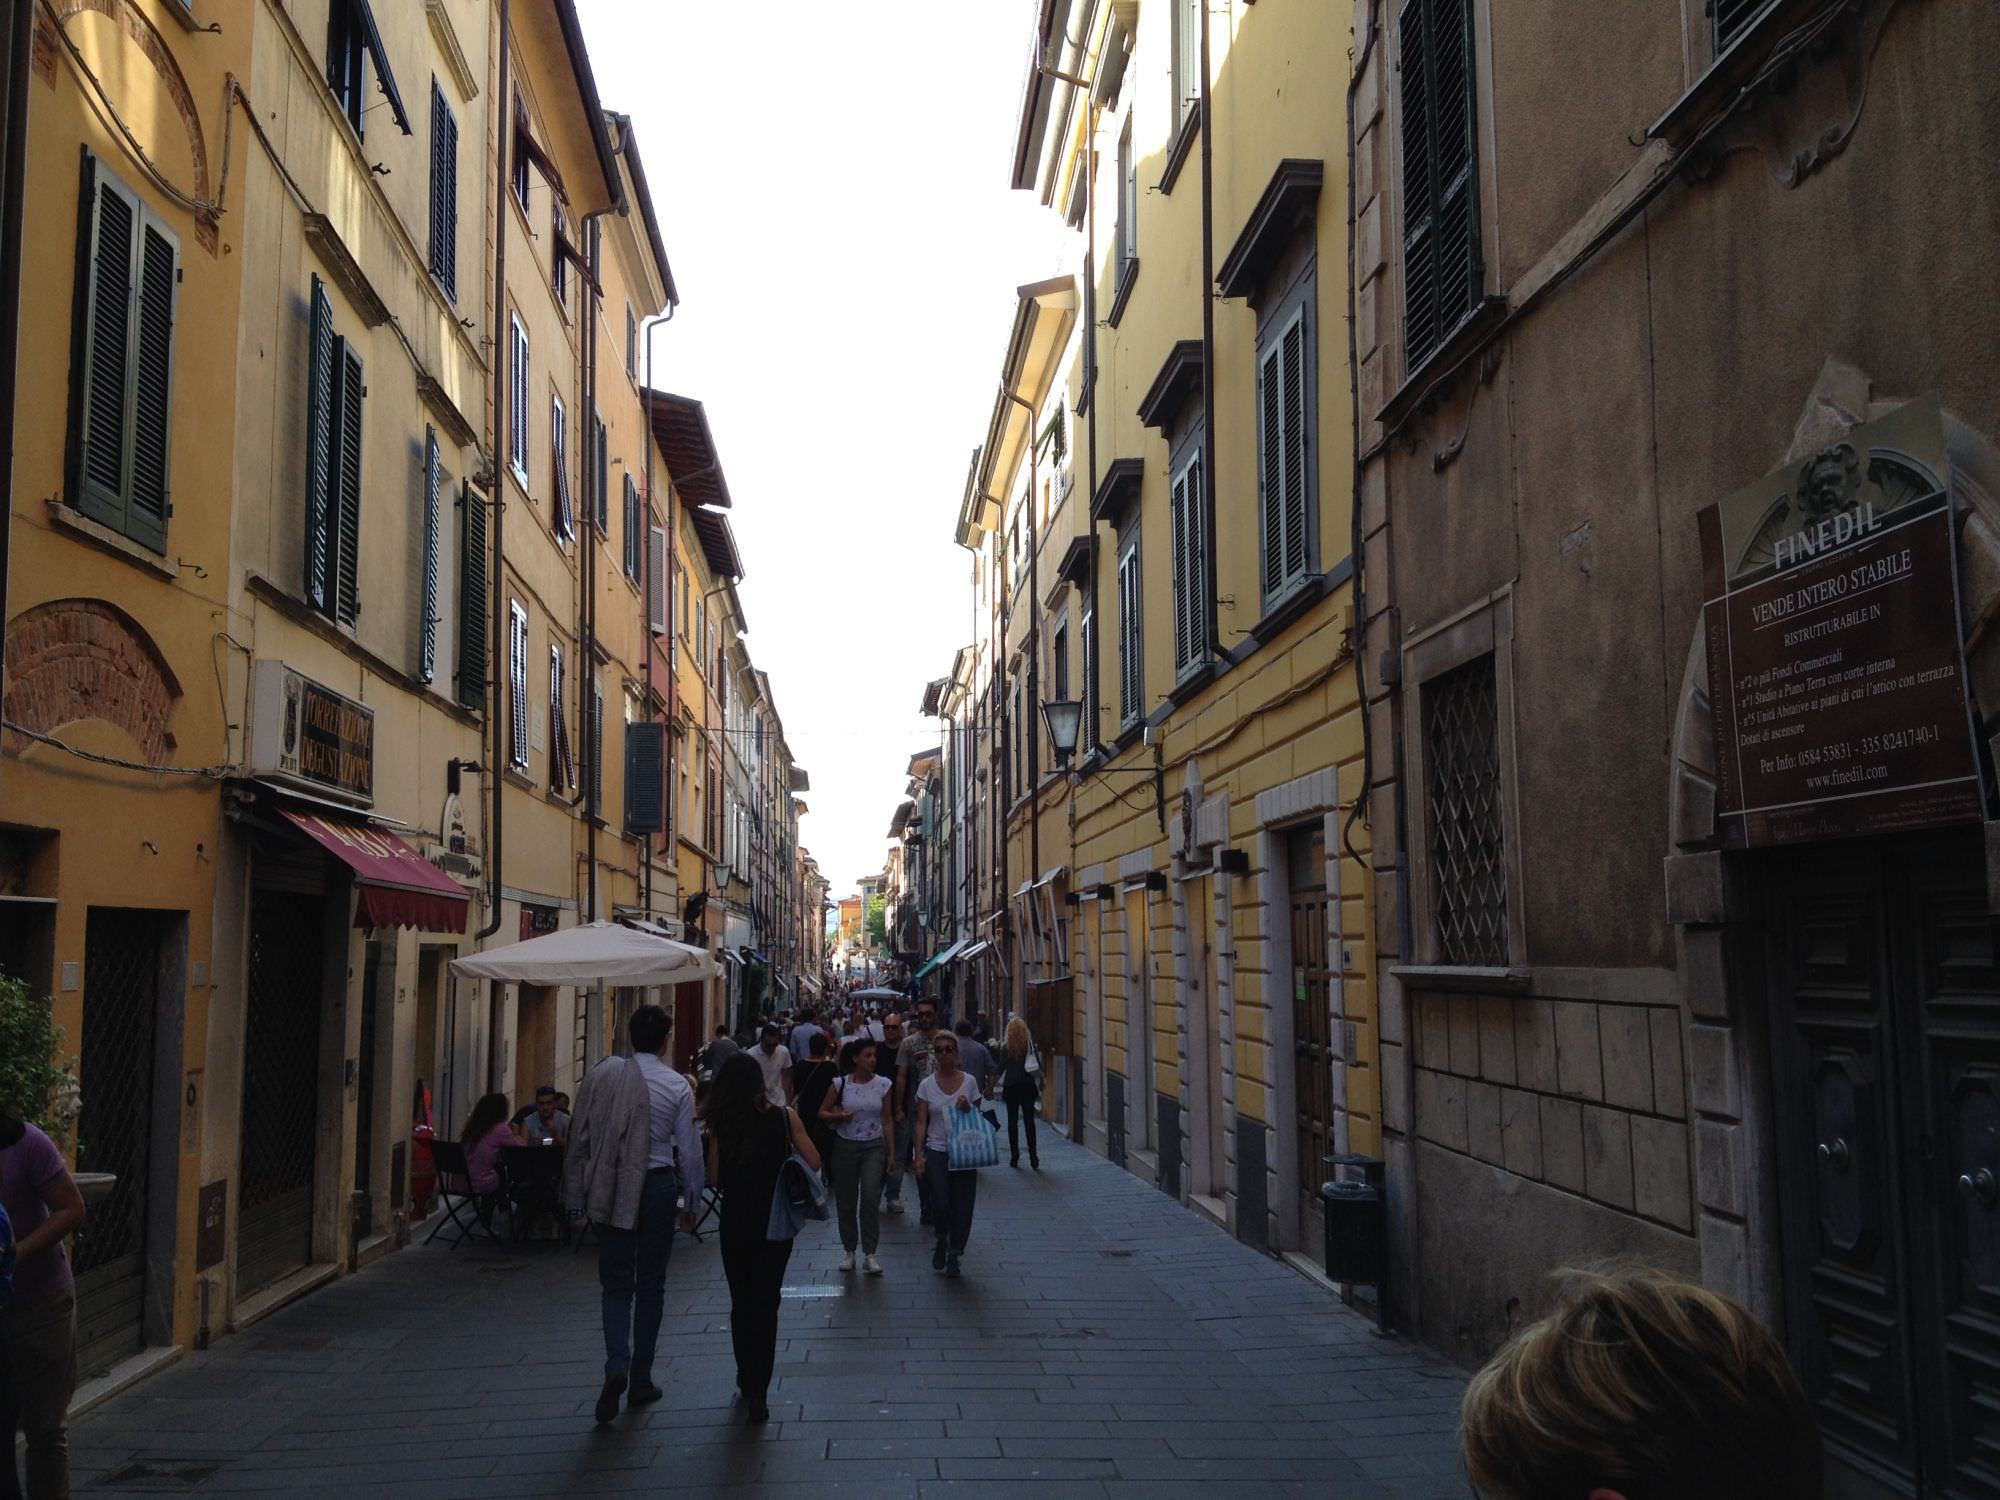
x,y
474,602
322,406
444,193
1442,265
427,622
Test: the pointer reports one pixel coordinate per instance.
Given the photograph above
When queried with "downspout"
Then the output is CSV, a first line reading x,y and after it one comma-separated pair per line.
x,y
498,644
1030,735
1211,647
587,709
666,603
13,201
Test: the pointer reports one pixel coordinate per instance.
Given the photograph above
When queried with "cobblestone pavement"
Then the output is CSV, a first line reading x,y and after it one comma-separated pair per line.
x,y
1105,1342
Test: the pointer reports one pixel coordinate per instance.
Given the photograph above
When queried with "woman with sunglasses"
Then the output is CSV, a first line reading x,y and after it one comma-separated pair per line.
x,y
951,1194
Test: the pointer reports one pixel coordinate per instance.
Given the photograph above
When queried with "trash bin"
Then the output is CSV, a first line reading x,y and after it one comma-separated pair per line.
x,y
1356,1221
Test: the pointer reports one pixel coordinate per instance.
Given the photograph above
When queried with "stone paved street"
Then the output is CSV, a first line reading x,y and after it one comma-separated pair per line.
x,y
1105,1343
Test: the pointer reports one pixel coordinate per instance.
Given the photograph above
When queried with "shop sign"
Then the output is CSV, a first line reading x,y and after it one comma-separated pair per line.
x,y
1836,662
307,733
538,921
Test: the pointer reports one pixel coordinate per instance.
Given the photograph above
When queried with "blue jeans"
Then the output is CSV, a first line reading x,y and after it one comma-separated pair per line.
x,y
632,1270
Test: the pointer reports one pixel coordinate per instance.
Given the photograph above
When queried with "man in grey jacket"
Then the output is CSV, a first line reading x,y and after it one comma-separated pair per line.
x,y
634,1151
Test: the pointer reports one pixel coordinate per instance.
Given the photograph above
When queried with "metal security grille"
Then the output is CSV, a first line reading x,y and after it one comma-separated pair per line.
x,y
1467,848
1312,1007
280,1088
121,985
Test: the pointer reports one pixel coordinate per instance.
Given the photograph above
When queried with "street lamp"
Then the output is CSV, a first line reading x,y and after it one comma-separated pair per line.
x,y
1064,718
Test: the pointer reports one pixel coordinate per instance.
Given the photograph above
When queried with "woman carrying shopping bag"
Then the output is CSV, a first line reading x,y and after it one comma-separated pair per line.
x,y
858,1111
750,1142
956,1140
1021,1090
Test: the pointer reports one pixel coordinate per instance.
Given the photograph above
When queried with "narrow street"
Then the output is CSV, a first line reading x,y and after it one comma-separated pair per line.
x,y
1105,1342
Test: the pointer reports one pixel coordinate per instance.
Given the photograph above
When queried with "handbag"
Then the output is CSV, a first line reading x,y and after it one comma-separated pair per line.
x,y
799,1194
1034,1062
975,1141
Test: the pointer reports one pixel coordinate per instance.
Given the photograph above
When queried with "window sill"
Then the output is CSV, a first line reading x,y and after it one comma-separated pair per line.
x,y
1128,277
1130,735
1421,383
65,517
1288,606
1182,148
1465,979
1193,682
517,776
1726,75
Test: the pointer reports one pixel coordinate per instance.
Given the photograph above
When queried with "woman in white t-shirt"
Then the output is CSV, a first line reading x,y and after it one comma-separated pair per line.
x,y
952,1193
859,1108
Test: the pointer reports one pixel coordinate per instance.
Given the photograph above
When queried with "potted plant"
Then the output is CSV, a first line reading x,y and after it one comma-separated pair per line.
x,y
38,1079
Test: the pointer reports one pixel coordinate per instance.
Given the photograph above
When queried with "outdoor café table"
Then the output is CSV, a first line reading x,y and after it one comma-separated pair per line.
x,y
534,1185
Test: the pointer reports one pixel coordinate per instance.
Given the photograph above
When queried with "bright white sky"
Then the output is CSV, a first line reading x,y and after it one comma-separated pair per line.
x,y
831,183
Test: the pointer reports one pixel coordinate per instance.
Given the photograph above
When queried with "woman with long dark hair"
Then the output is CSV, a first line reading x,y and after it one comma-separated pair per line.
x,y
858,1111
749,1140
486,1134
1021,1090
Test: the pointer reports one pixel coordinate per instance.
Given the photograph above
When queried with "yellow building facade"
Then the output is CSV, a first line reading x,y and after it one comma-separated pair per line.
x,y
1162,513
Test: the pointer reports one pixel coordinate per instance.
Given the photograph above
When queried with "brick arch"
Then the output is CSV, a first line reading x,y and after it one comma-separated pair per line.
x,y
153,47
76,659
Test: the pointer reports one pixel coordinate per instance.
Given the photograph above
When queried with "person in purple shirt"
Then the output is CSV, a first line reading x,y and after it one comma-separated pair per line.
x,y
38,1327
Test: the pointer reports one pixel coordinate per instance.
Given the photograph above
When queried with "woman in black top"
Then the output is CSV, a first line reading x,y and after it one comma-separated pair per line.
x,y
810,1082
1021,1089
749,1139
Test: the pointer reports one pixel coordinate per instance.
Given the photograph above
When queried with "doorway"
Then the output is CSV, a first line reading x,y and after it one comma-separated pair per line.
x,y
374,1061
1204,1033
535,1047
281,1042
1884,979
1139,1023
1312,978
124,1037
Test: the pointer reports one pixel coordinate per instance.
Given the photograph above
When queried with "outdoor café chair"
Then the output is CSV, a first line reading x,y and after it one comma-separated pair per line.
x,y
454,1182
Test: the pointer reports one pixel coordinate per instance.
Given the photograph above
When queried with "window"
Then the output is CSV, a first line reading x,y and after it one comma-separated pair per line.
x,y
1087,735
352,41
601,472
1059,660
1131,633
444,193
121,397
565,514
433,519
472,600
1190,538
517,402
631,341
517,685
559,253
634,536
1442,269
334,393
659,608
1284,459
562,771
1187,58
524,152
1467,848
1128,201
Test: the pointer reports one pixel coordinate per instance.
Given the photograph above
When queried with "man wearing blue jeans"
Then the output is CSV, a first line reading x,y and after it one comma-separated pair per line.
x,y
634,1150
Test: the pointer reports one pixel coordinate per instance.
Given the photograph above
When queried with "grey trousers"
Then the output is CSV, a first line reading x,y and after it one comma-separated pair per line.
x,y
857,1174
38,1342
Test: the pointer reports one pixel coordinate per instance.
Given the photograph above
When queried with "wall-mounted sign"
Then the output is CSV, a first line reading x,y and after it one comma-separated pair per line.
x,y
1835,657
538,921
309,734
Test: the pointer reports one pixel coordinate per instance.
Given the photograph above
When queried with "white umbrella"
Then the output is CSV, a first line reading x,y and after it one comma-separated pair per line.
x,y
877,993
597,952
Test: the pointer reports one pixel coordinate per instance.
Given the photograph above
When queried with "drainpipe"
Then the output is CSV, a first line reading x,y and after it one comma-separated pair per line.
x,y
1029,731
496,582
13,200
666,602
587,727
1212,644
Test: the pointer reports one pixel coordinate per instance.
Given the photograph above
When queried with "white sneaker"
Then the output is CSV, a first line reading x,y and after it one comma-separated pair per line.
x,y
895,1205
847,1261
871,1265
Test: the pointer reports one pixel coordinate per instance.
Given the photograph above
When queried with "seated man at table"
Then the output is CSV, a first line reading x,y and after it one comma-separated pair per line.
x,y
545,1122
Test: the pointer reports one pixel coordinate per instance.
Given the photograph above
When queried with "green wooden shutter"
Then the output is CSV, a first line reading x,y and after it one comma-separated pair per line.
x,y
561,776
559,450
517,685
597,748
153,384
444,193
322,404
1297,453
347,594
1271,466
1087,639
1443,270
517,398
474,602
427,622
107,221
632,530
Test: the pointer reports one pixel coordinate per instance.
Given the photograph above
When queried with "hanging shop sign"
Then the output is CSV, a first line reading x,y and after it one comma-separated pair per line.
x,y
538,921
1836,662
310,735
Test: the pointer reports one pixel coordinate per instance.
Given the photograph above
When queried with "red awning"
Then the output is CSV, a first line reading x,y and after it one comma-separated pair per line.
x,y
396,886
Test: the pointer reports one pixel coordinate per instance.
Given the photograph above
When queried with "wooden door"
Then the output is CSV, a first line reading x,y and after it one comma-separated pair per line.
x,y
1311,986
1886,1050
